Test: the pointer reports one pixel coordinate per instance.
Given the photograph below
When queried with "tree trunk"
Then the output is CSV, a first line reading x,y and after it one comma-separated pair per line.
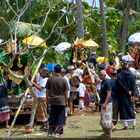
x,y
104,31
124,31
80,19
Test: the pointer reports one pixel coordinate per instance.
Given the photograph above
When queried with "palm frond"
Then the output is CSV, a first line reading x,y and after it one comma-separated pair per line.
x,y
24,29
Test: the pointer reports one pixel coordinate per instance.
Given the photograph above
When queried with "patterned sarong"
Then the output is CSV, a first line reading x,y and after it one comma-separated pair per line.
x,y
4,116
41,112
106,117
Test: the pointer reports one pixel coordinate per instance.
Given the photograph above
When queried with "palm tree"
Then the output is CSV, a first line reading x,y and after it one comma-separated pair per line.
x,y
80,19
104,31
124,31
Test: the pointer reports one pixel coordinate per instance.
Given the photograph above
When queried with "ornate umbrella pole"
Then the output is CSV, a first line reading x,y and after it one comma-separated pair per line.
x,y
96,93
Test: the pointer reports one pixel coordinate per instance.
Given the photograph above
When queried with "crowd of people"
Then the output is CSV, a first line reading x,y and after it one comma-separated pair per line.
x,y
111,88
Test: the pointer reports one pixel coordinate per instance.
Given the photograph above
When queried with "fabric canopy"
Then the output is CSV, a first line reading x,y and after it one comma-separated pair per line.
x,y
34,41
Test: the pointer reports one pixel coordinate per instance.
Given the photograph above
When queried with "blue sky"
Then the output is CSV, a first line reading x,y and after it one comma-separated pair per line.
x,y
90,2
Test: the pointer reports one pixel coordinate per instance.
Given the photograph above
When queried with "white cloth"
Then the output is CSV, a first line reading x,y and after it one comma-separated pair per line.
x,y
133,70
79,72
68,85
81,90
42,82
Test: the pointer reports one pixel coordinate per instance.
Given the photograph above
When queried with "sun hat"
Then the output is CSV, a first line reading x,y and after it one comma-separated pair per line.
x,y
71,67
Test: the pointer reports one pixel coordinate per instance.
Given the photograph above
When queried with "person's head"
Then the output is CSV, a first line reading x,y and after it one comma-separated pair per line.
x,y
42,66
102,74
78,64
113,72
125,65
44,72
63,71
71,69
111,62
93,53
57,68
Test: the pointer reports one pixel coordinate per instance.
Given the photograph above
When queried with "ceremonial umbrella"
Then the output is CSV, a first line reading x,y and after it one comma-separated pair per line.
x,y
90,43
34,41
62,47
101,59
1,41
135,39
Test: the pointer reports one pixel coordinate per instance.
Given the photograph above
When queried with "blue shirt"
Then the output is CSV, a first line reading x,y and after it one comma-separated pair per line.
x,y
105,86
113,85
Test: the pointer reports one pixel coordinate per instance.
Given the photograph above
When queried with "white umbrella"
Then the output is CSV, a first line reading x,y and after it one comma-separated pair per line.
x,y
62,47
1,41
127,58
134,38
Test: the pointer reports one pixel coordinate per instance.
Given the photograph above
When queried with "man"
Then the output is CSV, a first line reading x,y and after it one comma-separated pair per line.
x,y
40,90
113,75
92,59
106,105
56,94
74,81
126,83
111,66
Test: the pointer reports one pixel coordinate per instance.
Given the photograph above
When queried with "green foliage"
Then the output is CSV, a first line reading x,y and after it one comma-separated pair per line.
x,y
66,29
134,27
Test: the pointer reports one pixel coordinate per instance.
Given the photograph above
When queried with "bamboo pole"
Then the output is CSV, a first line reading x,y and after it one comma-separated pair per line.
x,y
96,93
24,98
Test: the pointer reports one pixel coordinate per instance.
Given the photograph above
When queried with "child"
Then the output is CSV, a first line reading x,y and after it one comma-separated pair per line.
x,y
81,89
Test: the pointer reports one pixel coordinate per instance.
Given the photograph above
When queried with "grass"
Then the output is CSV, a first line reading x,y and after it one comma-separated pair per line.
x,y
77,126
88,126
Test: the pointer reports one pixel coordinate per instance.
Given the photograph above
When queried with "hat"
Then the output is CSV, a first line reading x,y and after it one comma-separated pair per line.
x,y
93,53
63,70
71,67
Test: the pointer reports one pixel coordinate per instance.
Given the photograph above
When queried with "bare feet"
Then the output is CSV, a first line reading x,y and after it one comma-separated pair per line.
x,y
7,126
125,128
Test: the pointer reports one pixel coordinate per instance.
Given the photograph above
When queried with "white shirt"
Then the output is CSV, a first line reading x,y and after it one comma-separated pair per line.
x,y
42,82
81,90
68,85
79,72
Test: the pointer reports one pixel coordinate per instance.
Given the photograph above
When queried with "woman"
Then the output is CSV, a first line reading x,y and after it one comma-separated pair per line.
x,y
4,107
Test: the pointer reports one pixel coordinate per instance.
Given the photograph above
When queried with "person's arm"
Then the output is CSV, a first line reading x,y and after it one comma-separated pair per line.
x,y
37,86
104,105
47,94
66,98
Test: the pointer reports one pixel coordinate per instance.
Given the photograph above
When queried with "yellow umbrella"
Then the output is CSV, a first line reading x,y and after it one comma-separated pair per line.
x,y
102,59
90,43
34,41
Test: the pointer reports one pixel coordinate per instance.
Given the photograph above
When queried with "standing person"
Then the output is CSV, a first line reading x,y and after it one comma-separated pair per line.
x,y
92,59
111,66
82,90
113,75
74,81
126,83
40,90
56,94
106,105
79,70
63,73
4,107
